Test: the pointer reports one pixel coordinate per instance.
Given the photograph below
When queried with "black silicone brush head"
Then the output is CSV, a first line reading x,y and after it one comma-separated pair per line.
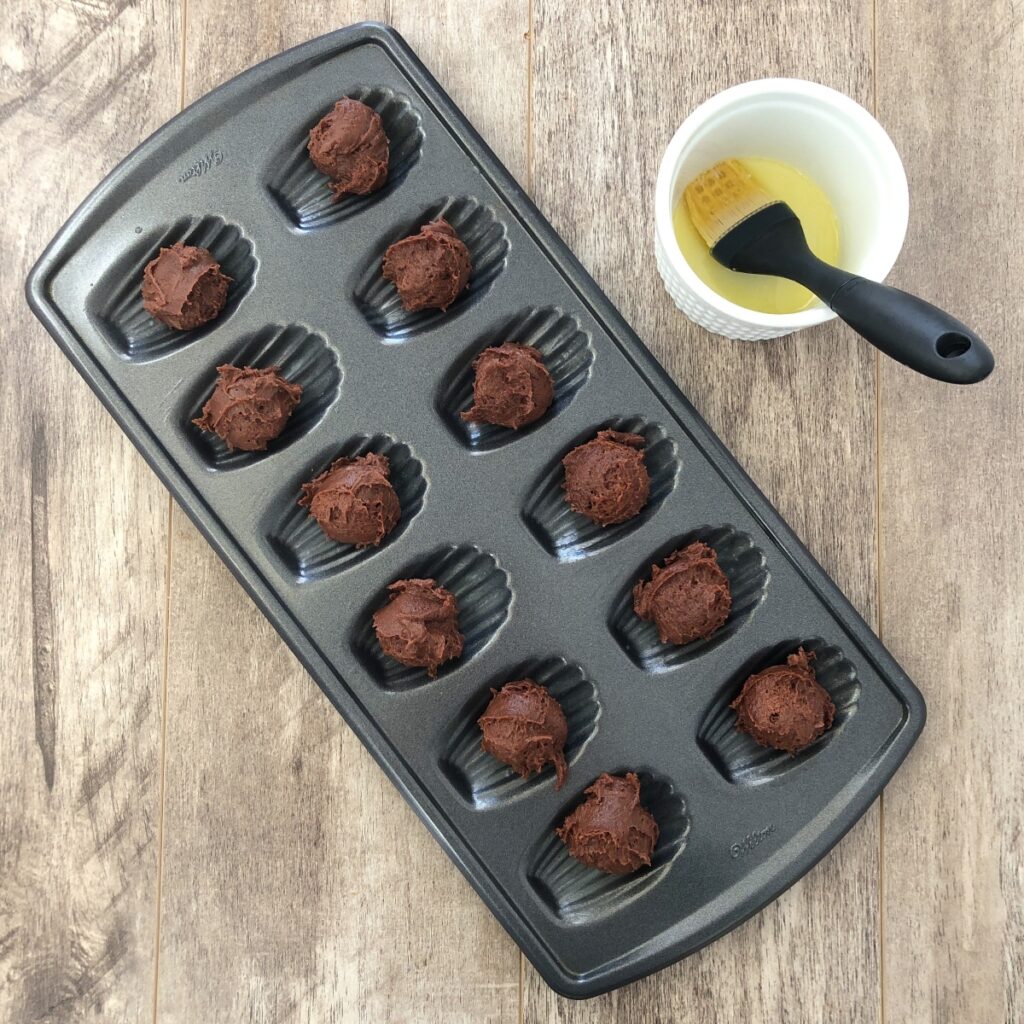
x,y
772,241
746,228
763,243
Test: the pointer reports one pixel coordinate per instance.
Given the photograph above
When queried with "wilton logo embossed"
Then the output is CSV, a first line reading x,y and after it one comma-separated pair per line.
x,y
203,165
750,841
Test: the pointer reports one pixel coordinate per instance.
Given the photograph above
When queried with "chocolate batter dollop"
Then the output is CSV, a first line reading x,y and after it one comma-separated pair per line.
x,y
353,500
785,706
350,146
512,387
606,479
419,626
525,727
610,831
183,287
429,269
249,407
688,598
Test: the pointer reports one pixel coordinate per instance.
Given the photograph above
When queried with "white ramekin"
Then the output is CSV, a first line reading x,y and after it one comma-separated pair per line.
x,y
819,131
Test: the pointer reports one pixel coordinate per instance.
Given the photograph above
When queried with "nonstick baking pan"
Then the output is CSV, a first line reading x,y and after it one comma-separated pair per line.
x,y
542,592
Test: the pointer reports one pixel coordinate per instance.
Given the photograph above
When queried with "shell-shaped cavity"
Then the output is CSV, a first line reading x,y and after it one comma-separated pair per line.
x,y
570,536
577,894
481,589
482,234
747,570
115,303
301,191
742,760
302,550
484,781
302,357
568,355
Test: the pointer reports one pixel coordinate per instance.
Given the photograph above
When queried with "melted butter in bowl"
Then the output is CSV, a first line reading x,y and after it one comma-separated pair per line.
x,y
754,291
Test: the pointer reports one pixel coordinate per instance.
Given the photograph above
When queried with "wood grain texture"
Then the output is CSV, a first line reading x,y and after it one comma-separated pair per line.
x,y
84,526
297,884
609,89
951,92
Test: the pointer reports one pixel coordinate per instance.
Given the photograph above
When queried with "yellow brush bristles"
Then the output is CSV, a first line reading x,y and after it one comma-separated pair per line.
x,y
722,197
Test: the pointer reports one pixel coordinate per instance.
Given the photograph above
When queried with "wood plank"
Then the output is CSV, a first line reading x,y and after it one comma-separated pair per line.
x,y
85,527
951,92
609,89
297,884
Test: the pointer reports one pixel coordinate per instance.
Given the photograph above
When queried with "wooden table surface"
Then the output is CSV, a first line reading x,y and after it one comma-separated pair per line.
x,y
188,831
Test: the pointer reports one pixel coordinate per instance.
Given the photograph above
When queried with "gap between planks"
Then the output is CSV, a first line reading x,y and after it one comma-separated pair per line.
x,y
529,191
167,641
882,1007
163,755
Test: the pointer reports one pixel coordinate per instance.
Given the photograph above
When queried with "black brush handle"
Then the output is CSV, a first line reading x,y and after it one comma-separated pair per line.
x,y
908,329
901,325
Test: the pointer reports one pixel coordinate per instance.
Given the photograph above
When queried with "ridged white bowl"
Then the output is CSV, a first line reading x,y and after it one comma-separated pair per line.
x,y
817,130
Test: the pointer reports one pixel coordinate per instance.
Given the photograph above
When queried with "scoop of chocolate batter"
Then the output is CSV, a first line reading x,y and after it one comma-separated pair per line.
x,y
353,500
606,479
688,598
785,706
429,269
512,386
350,146
249,407
419,626
610,831
183,287
525,727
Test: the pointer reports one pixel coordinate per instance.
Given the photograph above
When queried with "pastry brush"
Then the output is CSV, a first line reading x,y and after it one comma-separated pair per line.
x,y
749,231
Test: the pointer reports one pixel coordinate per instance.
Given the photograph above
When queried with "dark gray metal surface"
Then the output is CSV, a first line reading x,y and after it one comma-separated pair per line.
x,y
540,589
